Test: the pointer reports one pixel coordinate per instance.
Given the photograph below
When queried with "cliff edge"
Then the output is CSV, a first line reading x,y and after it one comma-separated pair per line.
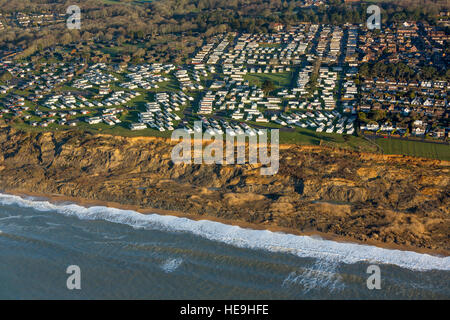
x,y
366,197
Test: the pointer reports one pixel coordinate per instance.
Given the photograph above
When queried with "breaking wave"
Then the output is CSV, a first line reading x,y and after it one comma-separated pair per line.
x,y
321,274
302,246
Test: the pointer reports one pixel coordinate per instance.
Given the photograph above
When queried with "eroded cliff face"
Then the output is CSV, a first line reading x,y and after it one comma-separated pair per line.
x,y
390,199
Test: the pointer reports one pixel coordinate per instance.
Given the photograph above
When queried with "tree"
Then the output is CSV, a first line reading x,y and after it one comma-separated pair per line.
x,y
268,86
378,115
5,76
362,117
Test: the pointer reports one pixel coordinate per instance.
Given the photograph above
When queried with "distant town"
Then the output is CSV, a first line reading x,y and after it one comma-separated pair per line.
x,y
320,78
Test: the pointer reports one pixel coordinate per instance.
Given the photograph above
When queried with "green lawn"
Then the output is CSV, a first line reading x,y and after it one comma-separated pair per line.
x,y
415,148
269,45
101,128
299,136
310,137
280,80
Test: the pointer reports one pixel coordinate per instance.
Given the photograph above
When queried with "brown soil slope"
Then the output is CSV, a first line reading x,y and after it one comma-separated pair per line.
x,y
365,197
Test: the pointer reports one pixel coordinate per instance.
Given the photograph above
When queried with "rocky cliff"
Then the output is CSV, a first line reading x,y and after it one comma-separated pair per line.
x,y
365,197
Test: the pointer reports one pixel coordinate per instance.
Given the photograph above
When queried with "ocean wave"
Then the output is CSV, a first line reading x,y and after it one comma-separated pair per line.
x,y
170,265
323,273
302,246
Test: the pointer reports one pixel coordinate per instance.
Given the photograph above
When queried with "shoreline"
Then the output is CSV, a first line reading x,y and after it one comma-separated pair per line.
x,y
58,199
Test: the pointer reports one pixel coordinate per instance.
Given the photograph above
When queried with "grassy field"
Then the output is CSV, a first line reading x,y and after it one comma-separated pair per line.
x,y
298,136
269,45
309,137
100,128
280,80
415,148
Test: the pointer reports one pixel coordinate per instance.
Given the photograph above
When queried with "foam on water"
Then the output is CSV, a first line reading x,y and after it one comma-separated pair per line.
x,y
302,246
321,274
170,265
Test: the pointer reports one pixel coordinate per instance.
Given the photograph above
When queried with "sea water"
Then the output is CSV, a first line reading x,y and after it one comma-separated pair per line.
x,y
123,254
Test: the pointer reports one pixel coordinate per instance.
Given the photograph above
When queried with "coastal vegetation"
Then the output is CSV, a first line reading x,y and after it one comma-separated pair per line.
x,y
415,148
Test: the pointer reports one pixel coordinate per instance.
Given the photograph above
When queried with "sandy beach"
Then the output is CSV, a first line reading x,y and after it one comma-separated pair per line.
x,y
390,202
55,198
